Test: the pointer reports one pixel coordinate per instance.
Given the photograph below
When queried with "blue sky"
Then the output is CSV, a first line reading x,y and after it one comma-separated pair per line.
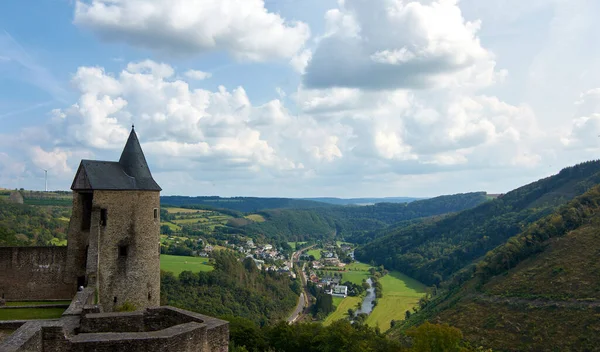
x,y
301,98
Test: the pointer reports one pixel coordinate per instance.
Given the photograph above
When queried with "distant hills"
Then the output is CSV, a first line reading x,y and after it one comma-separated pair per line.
x,y
362,201
243,204
253,204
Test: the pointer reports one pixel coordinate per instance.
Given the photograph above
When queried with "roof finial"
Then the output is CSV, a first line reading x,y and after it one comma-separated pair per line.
x,y
132,126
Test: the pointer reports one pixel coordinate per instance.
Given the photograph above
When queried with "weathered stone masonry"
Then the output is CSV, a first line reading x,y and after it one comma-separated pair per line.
x,y
34,273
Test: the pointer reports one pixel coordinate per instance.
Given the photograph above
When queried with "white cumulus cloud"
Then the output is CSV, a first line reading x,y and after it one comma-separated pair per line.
x,y
245,28
392,44
197,75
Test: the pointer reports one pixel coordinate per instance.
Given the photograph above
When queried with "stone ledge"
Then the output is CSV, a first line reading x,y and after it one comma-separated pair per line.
x,y
38,306
123,336
82,298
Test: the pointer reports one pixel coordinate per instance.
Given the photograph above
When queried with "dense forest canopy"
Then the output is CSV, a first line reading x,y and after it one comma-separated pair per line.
x,y
356,223
242,204
22,224
234,287
539,288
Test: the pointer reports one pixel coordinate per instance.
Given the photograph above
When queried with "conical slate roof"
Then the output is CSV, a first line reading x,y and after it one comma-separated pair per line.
x,y
131,172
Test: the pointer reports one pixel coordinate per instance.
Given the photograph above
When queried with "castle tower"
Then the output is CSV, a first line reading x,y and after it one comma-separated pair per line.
x,y
114,233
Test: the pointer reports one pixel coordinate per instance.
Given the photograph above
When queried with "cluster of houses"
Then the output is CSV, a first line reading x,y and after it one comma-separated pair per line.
x,y
331,285
262,253
329,258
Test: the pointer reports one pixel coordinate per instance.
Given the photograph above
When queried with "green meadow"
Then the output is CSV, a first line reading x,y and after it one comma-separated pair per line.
x,y
341,312
255,217
177,264
293,244
184,210
400,293
315,252
31,313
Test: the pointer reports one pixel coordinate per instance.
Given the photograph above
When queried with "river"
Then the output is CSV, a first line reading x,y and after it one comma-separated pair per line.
x,y
367,304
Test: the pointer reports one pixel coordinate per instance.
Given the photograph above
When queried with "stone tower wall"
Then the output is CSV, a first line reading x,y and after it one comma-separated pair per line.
x,y
127,250
77,241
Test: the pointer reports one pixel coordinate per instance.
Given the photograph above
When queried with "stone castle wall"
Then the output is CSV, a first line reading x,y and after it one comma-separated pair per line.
x,y
34,273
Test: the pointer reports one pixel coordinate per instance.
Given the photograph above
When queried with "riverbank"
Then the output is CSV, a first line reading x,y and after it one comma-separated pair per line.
x,y
400,293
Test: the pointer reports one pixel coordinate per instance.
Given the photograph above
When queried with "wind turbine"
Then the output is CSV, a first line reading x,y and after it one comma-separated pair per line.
x,y
45,180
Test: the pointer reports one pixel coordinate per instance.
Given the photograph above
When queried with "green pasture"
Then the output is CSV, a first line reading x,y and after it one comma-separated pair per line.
x,y
177,264
341,312
171,225
400,293
315,252
30,313
357,266
189,221
255,217
184,210
356,277
165,239
293,244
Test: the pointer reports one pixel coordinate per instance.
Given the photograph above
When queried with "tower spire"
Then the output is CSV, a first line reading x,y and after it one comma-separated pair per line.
x,y
134,162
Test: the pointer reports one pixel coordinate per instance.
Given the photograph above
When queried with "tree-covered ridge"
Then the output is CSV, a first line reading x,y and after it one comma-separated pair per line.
x,y
357,223
23,225
235,288
540,288
433,251
243,204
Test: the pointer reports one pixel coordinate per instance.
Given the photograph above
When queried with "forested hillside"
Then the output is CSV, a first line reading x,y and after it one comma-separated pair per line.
x,y
232,288
362,201
540,291
243,204
433,251
23,225
356,223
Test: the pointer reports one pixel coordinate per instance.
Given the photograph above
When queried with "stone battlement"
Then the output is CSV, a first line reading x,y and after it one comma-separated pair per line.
x,y
155,329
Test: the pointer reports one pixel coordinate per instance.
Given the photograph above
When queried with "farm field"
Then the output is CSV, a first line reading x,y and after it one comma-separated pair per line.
x,y
184,210
355,272
358,266
315,252
178,264
166,240
171,225
341,311
293,244
356,277
206,218
400,293
31,313
255,217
